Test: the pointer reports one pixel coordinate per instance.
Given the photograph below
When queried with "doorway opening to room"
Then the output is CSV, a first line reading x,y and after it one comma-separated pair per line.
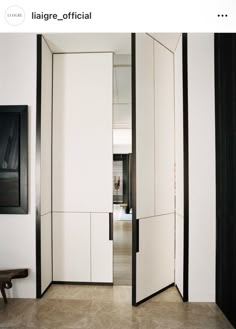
x,y
122,170
106,213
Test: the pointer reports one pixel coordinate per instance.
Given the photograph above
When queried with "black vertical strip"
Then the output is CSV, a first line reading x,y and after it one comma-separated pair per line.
x,y
52,166
110,226
186,168
134,221
23,163
130,181
137,235
225,139
38,164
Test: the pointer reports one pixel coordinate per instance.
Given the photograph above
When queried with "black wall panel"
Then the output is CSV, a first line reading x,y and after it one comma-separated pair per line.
x,y
225,96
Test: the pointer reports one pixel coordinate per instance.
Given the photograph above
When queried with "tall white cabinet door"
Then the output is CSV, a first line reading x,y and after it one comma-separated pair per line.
x,y
82,132
179,157
145,127
101,249
82,166
164,130
154,169
45,168
71,247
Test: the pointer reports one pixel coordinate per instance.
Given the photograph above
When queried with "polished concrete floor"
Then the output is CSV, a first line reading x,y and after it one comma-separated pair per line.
x,y
122,252
98,307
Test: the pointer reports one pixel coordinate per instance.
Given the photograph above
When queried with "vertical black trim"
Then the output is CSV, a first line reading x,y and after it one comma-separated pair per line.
x,y
52,164
186,168
134,221
38,161
137,235
24,161
110,226
130,181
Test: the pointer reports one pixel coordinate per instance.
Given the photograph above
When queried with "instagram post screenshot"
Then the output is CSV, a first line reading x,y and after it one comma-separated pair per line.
x,y
117,164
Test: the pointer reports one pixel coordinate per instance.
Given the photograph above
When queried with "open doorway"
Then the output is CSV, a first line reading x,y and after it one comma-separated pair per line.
x,y
122,173
85,102
77,243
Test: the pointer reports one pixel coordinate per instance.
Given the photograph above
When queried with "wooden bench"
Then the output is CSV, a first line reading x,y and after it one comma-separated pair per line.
x,y
7,275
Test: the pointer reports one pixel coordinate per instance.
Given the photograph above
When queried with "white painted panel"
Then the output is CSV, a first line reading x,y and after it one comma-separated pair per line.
x,y
46,140
179,129
46,251
18,87
202,203
179,249
179,167
164,130
71,247
82,134
45,176
144,126
155,260
101,249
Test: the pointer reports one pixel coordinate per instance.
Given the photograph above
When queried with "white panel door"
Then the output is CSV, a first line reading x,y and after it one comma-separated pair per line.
x,y
179,171
101,249
155,260
82,132
46,251
144,126
164,130
155,168
45,168
71,247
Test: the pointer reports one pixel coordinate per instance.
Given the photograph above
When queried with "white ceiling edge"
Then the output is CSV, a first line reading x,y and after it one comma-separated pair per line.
x,y
118,43
169,40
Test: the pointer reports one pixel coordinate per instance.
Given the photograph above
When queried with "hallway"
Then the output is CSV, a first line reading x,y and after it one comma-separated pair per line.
x,y
122,252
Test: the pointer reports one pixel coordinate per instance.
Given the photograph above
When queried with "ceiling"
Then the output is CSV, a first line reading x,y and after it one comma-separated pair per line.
x,y
169,40
118,43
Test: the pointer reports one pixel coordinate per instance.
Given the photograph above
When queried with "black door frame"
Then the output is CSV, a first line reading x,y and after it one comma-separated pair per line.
x,y
135,221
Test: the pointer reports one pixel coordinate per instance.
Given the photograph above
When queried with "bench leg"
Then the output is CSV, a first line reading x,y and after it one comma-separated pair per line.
x,y
3,292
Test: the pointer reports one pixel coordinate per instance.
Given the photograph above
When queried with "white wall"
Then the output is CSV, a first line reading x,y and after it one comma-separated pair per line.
x,y
179,213
46,154
202,203
122,141
18,87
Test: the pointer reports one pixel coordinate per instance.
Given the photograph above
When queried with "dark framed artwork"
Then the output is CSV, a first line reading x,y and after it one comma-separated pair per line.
x,y
14,159
122,176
